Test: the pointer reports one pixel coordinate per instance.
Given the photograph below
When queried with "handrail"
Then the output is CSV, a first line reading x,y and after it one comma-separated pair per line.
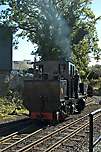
x,y
91,144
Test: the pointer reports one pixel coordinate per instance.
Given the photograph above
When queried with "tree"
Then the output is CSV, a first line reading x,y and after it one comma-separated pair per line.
x,y
57,27
94,72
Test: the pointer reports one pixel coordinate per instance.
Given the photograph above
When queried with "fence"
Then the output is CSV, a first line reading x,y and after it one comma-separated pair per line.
x,y
91,143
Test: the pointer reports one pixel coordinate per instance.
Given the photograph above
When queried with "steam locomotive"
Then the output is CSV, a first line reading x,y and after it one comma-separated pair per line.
x,y
50,94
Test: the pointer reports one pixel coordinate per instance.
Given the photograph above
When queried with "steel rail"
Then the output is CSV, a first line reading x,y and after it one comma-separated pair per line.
x,y
50,135
41,139
56,145
89,103
28,136
67,137
30,146
12,135
8,137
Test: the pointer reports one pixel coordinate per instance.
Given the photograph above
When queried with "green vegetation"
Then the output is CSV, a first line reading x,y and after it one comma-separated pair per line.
x,y
94,78
95,72
11,106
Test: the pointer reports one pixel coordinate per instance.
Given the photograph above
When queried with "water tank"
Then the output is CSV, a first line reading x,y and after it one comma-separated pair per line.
x,y
5,48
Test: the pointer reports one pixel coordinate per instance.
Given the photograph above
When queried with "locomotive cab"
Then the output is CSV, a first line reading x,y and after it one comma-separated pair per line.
x,y
47,95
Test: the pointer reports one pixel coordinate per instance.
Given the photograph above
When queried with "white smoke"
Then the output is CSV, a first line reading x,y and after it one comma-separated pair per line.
x,y
58,26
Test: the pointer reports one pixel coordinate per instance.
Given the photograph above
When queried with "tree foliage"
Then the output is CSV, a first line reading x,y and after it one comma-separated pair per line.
x,y
57,27
95,72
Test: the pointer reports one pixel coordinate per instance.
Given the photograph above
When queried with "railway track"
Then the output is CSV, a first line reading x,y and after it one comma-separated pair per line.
x,y
45,140
14,126
6,143
90,102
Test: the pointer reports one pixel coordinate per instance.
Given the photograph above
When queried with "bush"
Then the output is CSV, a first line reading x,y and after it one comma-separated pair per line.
x,y
10,103
15,98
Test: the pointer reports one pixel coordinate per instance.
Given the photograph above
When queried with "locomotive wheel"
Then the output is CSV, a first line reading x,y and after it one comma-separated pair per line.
x,y
80,105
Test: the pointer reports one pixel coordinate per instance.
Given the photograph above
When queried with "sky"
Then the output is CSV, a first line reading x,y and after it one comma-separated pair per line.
x,y
25,48
96,7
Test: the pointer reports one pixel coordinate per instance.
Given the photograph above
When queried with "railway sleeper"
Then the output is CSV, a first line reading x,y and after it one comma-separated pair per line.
x,y
65,133
76,139
70,130
73,127
59,137
39,149
69,145
6,143
80,135
87,131
16,138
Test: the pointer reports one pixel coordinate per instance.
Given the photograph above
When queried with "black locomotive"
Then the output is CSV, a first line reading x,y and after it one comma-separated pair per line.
x,y
50,95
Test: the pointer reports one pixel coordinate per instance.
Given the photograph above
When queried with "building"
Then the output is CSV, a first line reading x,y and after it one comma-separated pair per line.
x,y
5,56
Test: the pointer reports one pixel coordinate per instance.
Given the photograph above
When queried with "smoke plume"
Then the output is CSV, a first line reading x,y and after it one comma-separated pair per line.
x,y
58,26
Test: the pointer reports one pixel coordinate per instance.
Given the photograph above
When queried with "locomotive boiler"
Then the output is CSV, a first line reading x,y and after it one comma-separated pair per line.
x,y
50,94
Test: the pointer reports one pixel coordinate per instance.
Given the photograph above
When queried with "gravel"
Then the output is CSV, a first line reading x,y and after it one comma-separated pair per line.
x,y
83,144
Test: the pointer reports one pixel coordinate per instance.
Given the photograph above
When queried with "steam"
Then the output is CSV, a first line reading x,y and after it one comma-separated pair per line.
x,y
58,27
